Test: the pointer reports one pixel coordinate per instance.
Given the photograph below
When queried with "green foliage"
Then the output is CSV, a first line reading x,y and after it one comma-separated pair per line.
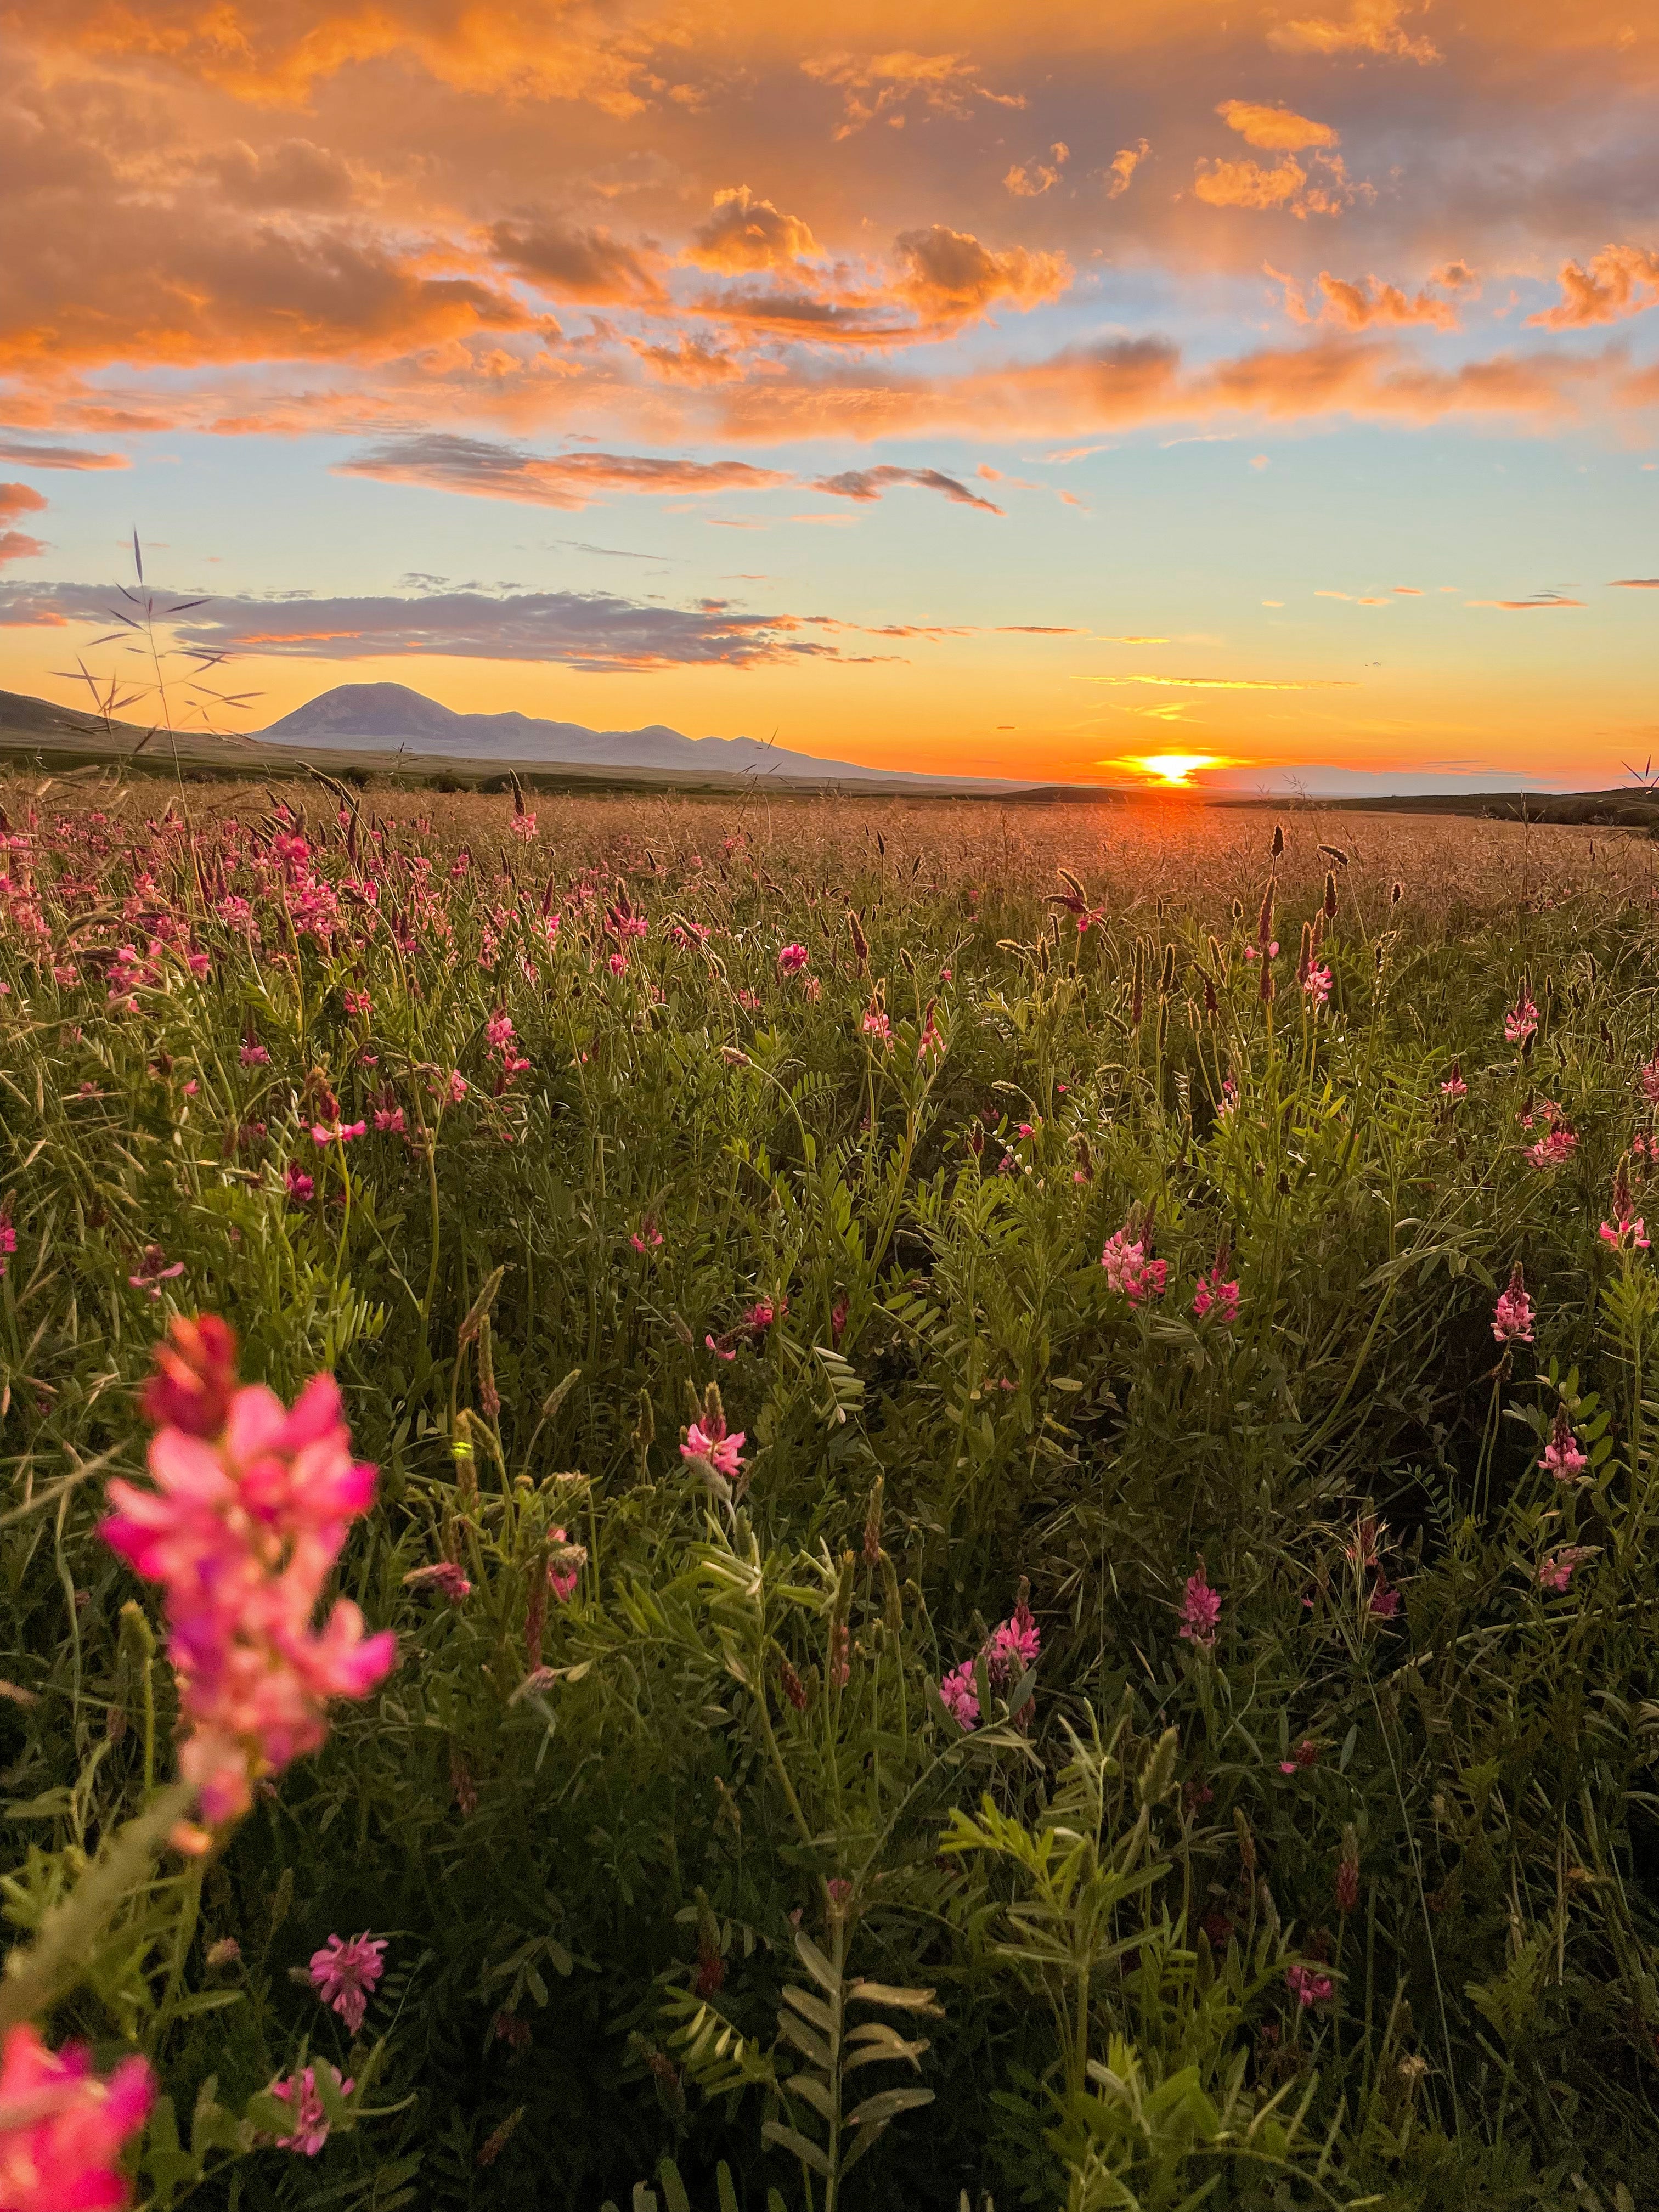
x,y
687,1867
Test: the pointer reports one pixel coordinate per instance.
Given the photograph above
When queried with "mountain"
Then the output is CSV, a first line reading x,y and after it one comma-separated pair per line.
x,y
390,715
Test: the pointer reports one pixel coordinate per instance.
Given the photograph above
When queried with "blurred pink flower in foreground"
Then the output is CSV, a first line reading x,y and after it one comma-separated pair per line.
x,y
1512,1316
311,2122
62,2126
243,1528
343,1974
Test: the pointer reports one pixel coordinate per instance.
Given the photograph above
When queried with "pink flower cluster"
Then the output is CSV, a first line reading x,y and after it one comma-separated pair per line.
x,y
1564,1456
1200,1611
62,2126
1213,1296
1520,1020
1130,1267
1307,1986
1512,1316
311,2121
1009,1652
250,1510
343,1974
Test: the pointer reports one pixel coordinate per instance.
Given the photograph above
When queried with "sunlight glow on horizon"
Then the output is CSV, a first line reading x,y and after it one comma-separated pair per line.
x,y
1172,770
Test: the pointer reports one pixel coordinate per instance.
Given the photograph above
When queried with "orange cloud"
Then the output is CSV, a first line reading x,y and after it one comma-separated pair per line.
x,y
37,456
572,264
1277,130
744,234
442,463
881,85
1031,184
1122,166
871,484
951,277
1287,186
1358,302
17,499
1371,27
1635,584
1621,280
1540,603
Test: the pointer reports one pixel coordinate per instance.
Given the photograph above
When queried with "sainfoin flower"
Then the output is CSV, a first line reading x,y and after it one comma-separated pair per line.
x,y
1556,1570
444,1576
337,1131
1316,983
1520,1020
242,1528
1215,1296
1564,1456
153,1271
792,959
1554,1148
721,1448
565,1564
1130,1269
311,2121
343,1974
1512,1316
1307,1986
1626,1235
1009,1652
647,1236
1200,1611
62,2126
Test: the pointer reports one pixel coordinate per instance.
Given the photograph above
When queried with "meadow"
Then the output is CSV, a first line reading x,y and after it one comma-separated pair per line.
x,y
1015,1470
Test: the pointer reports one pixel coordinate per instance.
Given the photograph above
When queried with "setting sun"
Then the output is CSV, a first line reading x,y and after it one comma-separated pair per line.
x,y
1173,768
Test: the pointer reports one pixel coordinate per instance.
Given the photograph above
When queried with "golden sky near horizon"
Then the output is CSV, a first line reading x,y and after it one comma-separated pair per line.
x,y
1271,384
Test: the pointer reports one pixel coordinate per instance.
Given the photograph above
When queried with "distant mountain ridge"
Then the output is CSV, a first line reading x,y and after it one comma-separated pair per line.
x,y
392,715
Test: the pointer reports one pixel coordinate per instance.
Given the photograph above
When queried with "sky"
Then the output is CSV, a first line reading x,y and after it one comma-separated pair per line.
x,y
1022,391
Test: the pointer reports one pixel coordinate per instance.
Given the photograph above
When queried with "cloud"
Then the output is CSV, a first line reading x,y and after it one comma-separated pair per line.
x,y
884,85
871,484
1031,184
1620,281
569,263
36,456
596,632
1122,166
293,173
1277,130
1357,303
1288,185
17,499
1371,27
441,462
1635,584
1539,602
951,278
744,234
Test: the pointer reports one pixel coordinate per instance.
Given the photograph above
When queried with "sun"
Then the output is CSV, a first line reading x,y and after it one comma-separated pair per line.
x,y
1172,770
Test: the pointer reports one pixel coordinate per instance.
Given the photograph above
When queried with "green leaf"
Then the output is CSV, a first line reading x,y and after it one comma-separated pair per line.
x,y
786,2139
673,2189
887,2104
815,1964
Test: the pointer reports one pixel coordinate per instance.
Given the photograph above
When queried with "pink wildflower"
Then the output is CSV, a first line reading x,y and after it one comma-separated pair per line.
x,y
1013,1647
1556,1571
715,1446
311,2122
444,1576
457,1086
1213,1294
1385,1600
357,1002
8,1240
647,1236
1554,1148
1627,1236
254,1054
564,1567
1520,1020
1564,1456
499,1030
523,827
389,1119
961,1696
62,2126
343,1975
154,1270
721,1350
1512,1316
1308,1987
1130,1270
1200,1611
195,1377
1316,983
337,1131
243,1530
1455,1087
617,964
793,960
301,1189
875,1024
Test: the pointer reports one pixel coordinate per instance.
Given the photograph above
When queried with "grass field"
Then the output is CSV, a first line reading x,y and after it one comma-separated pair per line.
x,y
1000,1591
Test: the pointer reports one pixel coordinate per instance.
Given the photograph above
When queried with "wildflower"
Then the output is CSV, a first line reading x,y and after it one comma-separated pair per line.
x,y
1554,1148
1649,1079
337,1131
523,827
1316,984
1564,1456
762,1315
1014,1648
457,1086
875,1024
253,1054
243,1529
311,2122
1129,1268
1627,1235
564,1565
8,1239
961,1696
444,1576
1308,1987
343,1975
1385,1600
647,1236
617,964
1521,1021
389,1119
1556,1571
1455,1087
154,1270
1200,1611
792,959
301,1189
357,1002
499,1030
195,1377
1217,1296
838,1313
62,2126
1512,1316
716,1447
721,1348
793,1689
